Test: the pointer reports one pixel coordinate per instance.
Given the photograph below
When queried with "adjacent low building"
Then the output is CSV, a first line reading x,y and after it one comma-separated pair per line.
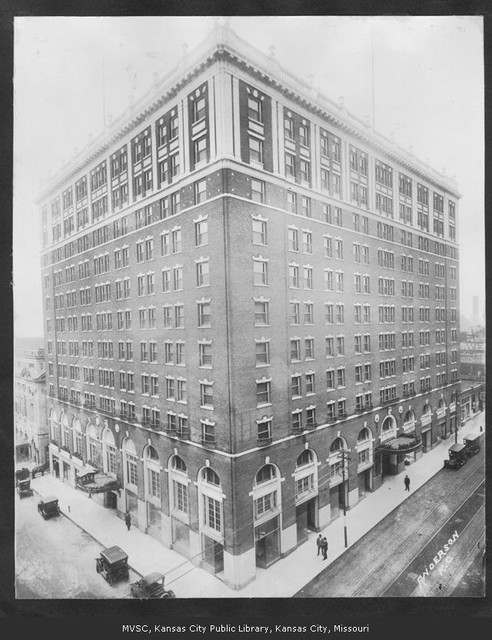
x,y
251,310
30,419
472,371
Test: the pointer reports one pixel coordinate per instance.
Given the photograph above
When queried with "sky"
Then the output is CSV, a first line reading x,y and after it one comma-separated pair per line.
x,y
420,79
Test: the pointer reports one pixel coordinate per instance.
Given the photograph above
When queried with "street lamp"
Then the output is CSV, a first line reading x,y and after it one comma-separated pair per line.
x,y
344,457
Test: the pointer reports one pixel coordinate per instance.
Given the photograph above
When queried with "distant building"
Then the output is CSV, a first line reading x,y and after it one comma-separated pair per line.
x,y
472,371
242,282
30,421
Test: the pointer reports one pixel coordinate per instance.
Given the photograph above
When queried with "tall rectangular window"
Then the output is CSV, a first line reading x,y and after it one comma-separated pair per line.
x,y
256,150
204,319
202,274
261,313
259,231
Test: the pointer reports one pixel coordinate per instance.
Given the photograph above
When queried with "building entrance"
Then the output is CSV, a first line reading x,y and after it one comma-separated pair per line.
x,y
154,521
267,543
180,535
364,480
442,429
132,506
305,519
426,441
213,554
110,499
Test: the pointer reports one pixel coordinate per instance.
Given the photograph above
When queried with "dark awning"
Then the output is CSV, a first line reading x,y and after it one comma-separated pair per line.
x,y
402,444
101,483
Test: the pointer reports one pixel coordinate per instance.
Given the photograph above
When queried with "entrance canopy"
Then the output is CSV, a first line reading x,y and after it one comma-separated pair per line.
x,y
402,444
92,482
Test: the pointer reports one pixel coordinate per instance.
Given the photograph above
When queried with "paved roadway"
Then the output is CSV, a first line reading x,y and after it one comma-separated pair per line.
x,y
55,559
389,559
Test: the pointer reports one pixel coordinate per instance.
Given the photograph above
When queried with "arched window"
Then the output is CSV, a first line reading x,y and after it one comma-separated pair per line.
x,y
427,411
306,457
387,424
442,404
306,476
179,464
211,503
337,465
78,438
409,421
131,462
364,449
151,453
209,475
388,428
337,445
266,492
109,452
178,490
266,473
152,474
65,430
92,445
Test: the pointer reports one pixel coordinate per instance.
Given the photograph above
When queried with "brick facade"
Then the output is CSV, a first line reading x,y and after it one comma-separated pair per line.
x,y
246,208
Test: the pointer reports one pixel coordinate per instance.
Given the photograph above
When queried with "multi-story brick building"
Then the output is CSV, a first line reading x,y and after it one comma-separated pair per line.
x,y
31,426
241,281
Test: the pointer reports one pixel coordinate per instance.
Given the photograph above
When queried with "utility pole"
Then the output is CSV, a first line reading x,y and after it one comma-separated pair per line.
x,y
458,416
344,458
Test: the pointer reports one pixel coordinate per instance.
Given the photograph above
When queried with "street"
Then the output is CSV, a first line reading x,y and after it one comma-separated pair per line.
x,y
56,559
423,548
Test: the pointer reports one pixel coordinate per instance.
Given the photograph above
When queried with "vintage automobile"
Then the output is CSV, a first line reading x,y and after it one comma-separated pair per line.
x,y
24,488
473,443
457,457
112,564
151,586
48,507
40,469
21,474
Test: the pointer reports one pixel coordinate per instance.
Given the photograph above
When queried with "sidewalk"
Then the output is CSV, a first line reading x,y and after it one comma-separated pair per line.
x,y
285,577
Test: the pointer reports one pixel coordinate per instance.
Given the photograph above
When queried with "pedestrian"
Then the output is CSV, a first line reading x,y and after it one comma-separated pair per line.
x,y
128,520
319,543
325,548
407,483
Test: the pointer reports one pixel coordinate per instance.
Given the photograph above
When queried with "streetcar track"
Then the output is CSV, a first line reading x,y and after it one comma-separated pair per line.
x,y
421,524
463,562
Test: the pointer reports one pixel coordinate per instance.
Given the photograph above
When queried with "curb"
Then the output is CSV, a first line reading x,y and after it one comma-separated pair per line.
x,y
88,533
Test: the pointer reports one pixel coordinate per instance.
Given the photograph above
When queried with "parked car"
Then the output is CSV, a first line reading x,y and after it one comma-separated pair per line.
x,y
48,507
24,488
473,443
112,564
457,457
151,586
21,474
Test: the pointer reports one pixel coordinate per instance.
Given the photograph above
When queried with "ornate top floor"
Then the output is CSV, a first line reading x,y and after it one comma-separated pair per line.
x,y
224,50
